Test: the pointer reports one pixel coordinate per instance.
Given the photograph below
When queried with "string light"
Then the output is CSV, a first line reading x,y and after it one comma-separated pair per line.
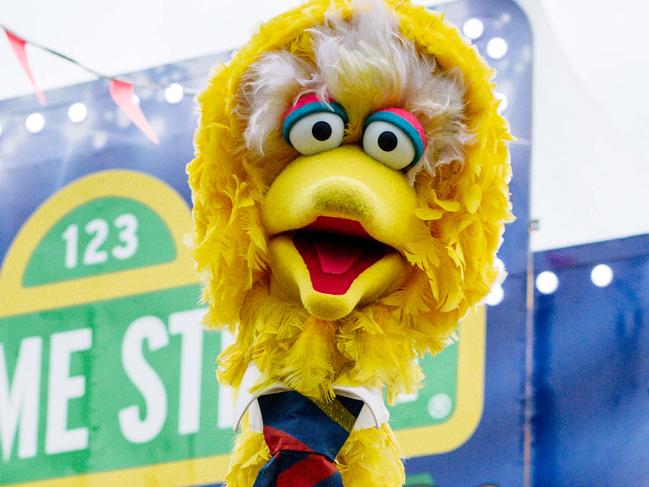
x,y
601,275
547,282
473,28
77,112
174,93
90,70
495,296
35,122
99,140
497,48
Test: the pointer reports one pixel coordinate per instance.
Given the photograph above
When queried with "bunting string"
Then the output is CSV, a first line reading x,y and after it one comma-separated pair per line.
x,y
121,90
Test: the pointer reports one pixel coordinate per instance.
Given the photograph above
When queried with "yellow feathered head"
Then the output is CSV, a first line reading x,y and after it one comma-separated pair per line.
x,y
350,193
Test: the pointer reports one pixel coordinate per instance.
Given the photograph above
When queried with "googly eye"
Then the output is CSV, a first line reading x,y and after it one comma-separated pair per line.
x,y
317,133
313,126
394,137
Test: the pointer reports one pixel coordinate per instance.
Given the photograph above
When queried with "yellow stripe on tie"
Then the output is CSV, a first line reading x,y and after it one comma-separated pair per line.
x,y
337,412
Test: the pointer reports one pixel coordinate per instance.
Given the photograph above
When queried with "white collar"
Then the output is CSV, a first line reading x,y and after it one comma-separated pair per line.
x,y
374,412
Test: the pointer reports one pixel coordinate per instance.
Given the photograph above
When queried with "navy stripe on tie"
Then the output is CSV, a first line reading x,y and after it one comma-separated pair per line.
x,y
304,439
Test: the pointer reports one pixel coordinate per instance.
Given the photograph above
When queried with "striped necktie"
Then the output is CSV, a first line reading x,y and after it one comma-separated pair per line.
x,y
304,438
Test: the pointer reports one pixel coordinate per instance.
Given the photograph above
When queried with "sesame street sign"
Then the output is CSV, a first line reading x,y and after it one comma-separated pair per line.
x,y
106,376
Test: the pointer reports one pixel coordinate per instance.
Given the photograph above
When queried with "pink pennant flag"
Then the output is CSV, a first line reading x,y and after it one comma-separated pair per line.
x,y
122,94
18,46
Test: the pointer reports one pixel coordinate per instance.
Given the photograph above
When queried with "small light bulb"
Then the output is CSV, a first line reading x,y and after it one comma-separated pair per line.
x,y
547,282
495,296
174,93
473,29
601,275
35,122
99,140
497,48
77,112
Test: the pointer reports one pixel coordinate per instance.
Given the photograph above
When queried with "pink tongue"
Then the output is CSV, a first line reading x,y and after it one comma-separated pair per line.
x,y
335,258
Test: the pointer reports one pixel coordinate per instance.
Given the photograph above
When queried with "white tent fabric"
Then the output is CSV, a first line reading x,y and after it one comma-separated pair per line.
x,y
590,167
590,149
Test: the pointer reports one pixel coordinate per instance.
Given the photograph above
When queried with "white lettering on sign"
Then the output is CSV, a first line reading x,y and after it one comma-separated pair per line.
x,y
127,225
19,399
225,418
62,388
144,377
20,391
71,237
136,427
99,230
187,324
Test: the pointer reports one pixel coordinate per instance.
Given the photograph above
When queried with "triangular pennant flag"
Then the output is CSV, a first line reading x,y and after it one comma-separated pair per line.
x,y
18,46
122,94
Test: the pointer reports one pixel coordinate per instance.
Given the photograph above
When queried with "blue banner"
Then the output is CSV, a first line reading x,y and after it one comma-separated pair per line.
x,y
591,374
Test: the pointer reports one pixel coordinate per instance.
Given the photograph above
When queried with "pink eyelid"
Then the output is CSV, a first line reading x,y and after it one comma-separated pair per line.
x,y
411,119
304,100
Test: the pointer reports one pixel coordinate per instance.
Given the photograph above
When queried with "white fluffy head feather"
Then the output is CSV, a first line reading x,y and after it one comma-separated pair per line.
x,y
366,55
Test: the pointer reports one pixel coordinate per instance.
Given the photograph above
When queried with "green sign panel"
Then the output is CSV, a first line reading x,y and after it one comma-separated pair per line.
x,y
107,386
105,235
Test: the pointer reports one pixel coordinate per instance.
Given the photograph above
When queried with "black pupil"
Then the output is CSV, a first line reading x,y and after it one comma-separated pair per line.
x,y
321,131
388,141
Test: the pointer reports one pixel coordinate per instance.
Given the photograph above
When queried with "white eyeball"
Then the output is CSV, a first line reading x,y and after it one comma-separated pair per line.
x,y
388,144
317,132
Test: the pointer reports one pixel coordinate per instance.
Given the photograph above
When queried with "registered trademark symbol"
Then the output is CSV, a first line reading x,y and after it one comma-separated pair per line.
x,y
439,406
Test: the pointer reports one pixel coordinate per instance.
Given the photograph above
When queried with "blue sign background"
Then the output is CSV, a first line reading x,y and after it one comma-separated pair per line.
x,y
592,368
35,166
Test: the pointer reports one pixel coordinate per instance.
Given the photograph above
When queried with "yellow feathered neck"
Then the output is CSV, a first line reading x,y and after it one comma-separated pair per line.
x,y
371,347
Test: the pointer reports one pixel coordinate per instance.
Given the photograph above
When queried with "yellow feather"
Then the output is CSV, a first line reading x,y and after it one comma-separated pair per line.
x,y
308,365
249,455
370,457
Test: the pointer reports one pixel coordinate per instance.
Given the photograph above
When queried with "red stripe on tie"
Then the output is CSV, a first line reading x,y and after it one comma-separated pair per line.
x,y
307,472
280,440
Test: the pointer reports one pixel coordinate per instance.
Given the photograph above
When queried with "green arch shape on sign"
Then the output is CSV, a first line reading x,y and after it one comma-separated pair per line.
x,y
105,235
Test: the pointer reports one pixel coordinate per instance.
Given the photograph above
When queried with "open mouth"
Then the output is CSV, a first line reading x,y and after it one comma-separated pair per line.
x,y
336,251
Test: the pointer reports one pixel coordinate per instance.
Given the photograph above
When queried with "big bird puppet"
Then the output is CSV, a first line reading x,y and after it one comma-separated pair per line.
x,y
350,193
